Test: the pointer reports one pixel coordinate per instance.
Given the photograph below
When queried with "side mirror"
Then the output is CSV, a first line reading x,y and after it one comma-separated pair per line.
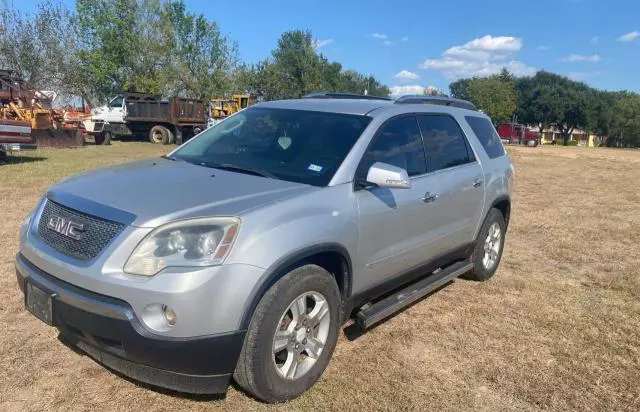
x,y
388,176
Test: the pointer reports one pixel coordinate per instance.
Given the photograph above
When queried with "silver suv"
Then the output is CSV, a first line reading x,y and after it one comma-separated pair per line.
x,y
243,252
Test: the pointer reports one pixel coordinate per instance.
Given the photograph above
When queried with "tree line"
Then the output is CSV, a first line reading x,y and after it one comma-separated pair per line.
x,y
550,100
104,47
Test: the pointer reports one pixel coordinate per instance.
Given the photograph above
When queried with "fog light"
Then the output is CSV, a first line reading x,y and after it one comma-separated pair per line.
x,y
169,315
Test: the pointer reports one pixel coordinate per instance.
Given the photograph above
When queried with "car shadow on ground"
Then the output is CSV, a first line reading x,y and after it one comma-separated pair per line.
x,y
352,331
17,159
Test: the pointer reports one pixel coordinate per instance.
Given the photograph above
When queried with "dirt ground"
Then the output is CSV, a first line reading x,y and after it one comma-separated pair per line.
x,y
558,327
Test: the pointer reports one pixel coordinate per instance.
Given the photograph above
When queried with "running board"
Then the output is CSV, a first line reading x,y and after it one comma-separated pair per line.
x,y
371,314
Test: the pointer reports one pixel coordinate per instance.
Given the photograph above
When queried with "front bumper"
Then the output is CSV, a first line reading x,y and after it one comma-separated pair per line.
x,y
108,331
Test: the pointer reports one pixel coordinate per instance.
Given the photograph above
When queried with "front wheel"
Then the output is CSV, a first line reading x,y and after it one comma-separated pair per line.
x,y
292,335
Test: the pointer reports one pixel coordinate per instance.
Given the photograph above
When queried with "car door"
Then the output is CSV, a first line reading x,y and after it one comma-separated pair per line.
x,y
392,222
455,181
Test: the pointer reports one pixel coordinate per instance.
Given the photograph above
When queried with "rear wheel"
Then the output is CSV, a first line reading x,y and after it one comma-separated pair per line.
x,y
292,335
488,250
158,134
169,137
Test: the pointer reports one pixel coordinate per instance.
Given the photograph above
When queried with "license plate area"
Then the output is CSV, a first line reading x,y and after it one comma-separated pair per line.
x,y
39,303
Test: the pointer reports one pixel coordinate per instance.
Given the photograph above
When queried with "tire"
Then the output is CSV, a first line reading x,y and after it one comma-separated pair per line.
x,y
158,135
103,138
481,269
169,137
532,143
197,130
261,368
78,138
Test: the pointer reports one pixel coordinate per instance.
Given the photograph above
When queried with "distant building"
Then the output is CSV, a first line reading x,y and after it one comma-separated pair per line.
x,y
552,135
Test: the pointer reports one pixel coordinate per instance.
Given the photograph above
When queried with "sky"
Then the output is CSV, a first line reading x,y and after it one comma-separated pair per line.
x,y
409,45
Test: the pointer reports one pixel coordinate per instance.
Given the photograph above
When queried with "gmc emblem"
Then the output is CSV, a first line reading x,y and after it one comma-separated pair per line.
x,y
66,227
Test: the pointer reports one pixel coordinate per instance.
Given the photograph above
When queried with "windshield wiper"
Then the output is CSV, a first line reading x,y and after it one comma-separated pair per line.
x,y
241,169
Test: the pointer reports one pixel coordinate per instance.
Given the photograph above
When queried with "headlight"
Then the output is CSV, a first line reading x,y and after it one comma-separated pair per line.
x,y
195,242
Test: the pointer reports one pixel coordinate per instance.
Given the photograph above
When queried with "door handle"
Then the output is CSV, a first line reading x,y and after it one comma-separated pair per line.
x,y
430,197
477,183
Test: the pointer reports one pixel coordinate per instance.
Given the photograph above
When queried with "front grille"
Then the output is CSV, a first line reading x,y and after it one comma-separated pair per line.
x,y
96,233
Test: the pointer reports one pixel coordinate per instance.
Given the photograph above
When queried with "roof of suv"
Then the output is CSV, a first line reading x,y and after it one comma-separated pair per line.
x,y
346,106
364,106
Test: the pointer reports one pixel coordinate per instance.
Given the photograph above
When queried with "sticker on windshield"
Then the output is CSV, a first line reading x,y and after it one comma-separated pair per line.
x,y
314,168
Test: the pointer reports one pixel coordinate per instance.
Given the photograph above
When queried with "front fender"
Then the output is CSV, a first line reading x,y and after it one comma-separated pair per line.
x,y
282,235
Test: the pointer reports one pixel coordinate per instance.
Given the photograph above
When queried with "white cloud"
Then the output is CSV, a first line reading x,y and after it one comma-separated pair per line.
x,y
543,48
595,40
387,42
409,89
629,36
406,75
321,43
399,90
483,56
581,58
404,39
379,36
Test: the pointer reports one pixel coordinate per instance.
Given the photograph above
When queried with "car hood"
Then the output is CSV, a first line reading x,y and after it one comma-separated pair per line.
x,y
151,192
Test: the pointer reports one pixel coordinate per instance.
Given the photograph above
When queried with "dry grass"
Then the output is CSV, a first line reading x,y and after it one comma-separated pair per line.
x,y
557,328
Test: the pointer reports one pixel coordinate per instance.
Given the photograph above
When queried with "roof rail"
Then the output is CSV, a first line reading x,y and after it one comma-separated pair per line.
x,y
331,95
441,100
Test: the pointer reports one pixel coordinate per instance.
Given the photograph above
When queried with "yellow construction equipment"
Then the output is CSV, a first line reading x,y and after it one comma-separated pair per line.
x,y
221,108
22,103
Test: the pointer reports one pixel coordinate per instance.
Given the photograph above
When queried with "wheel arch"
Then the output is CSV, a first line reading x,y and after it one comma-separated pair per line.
x,y
503,204
332,257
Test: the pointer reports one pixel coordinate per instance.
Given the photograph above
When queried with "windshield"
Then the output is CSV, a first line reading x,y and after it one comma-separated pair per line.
x,y
116,102
295,145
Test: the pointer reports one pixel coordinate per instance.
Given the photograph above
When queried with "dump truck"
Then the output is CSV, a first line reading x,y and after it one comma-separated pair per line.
x,y
140,115
26,110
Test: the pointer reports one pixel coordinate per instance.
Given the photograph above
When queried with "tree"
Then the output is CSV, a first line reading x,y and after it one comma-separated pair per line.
x,y
459,89
495,96
296,69
200,59
625,126
39,47
550,99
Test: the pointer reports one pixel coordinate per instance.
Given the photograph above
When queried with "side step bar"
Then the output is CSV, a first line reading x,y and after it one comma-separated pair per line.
x,y
371,314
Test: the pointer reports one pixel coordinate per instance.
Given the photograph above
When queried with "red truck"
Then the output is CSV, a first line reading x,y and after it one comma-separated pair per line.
x,y
514,133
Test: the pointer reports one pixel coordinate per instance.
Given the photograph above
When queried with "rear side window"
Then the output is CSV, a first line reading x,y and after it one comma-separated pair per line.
x,y
397,143
487,136
444,142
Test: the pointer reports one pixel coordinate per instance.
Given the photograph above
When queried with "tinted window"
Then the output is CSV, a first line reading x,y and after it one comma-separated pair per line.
x,y
486,134
444,142
397,143
295,145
